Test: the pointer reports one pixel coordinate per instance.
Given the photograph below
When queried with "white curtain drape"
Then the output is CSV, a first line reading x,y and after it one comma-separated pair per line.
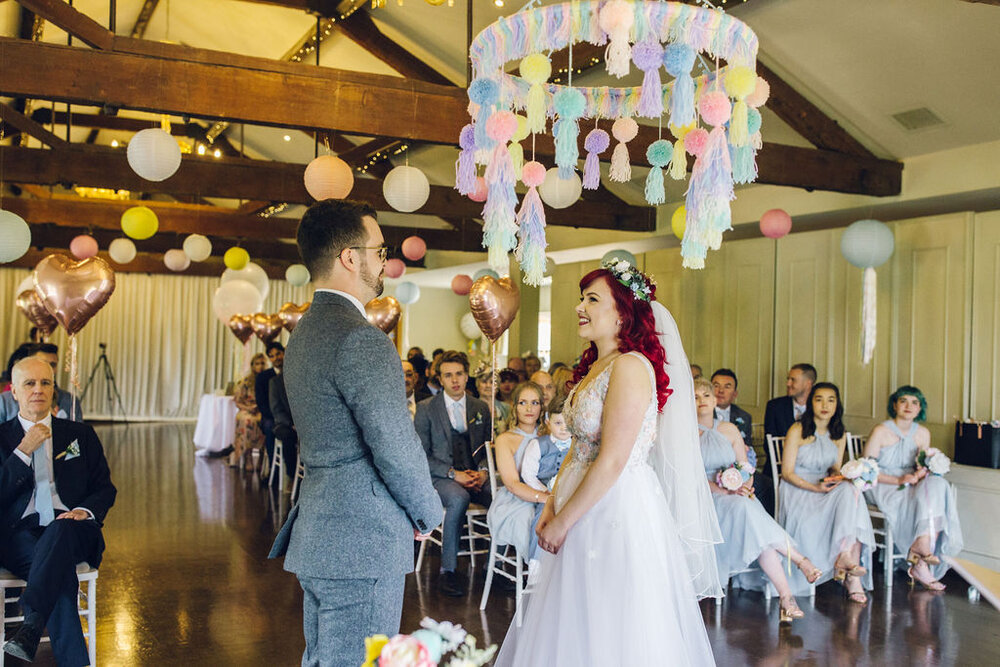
x,y
164,343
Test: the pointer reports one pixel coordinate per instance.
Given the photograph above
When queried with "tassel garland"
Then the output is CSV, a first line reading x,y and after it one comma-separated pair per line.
x,y
530,251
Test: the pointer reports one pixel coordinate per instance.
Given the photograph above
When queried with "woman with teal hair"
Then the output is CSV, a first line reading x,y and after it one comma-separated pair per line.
x,y
919,506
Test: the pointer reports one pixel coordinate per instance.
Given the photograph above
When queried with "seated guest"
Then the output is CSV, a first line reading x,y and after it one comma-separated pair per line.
x,y
516,364
784,411
454,429
920,507
562,380
544,380
284,428
518,505
414,351
55,490
749,534
532,365
413,394
48,353
828,519
248,433
420,368
696,371
724,384
432,383
556,366
484,385
508,380
276,353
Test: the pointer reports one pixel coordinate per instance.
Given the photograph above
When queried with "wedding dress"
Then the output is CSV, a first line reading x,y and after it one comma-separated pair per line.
x,y
619,592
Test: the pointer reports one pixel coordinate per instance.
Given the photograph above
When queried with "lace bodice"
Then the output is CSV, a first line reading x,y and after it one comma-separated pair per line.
x,y
585,413
900,457
814,460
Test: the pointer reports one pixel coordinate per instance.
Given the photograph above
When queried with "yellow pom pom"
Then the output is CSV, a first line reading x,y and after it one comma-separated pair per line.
x,y
236,258
522,131
536,68
739,81
681,132
678,221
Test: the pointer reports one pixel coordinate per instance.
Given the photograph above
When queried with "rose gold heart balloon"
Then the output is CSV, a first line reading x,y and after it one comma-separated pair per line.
x,y
494,304
241,326
31,305
267,327
290,314
73,291
383,313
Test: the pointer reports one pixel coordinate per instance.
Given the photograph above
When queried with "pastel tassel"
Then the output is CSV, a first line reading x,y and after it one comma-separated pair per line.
x,y
648,56
678,59
744,163
616,19
597,142
869,314
465,166
569,104
678,162
499,223
536,70
711,186
658,154
624,130
516,156
530,251
485,93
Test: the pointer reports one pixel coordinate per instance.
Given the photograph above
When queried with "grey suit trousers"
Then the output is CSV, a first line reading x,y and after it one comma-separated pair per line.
x,y
339,613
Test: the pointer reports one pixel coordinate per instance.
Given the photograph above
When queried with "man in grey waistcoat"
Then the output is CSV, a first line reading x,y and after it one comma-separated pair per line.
x,y
367,492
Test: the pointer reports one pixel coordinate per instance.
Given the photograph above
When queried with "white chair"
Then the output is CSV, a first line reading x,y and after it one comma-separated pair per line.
x,y
277,466
300,474
883,534
87,602
775,450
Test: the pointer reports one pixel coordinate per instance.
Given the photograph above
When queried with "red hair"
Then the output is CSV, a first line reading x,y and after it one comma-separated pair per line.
x,y
637,332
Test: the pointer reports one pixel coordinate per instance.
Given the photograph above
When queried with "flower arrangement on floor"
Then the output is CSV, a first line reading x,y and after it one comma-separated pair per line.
x,y
427,647
735,476
861,472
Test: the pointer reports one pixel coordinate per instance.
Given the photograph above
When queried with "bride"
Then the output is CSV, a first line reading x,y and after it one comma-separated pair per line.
x,y
630,527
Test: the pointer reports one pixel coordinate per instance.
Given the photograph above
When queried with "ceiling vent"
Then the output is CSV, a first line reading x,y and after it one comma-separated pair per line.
x,y
918,119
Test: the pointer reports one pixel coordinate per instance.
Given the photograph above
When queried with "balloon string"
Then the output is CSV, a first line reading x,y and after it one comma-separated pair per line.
x,y
493,383
74,379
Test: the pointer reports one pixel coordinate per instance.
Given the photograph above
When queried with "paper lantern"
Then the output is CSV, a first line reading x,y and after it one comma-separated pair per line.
x,y
297,275
469,327
867,243
153,154
15,236
406,189
83,246
176,259
678,222
481,192
560,192
461,284
329,177
25,285
407,293
122,251
619,255
197,247
775,223
485,272
237,297
253,274
139,222
236,259
395,268
414,248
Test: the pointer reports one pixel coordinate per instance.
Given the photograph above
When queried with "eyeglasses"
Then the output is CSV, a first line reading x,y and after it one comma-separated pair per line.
x,y
383,251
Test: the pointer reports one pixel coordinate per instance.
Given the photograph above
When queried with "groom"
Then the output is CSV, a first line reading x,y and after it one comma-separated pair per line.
x,y
367,492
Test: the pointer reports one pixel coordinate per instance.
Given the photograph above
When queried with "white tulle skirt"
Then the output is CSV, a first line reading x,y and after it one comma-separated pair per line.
x,y
618,592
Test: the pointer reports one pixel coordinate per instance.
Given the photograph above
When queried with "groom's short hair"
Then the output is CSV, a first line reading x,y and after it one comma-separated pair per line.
x,y
328,228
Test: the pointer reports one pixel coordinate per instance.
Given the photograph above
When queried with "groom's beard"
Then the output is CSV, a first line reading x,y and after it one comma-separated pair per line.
x,y
372,281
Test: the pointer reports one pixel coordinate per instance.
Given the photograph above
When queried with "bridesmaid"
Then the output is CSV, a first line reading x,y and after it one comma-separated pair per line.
x,y
829,520
921,508
248,433
748,531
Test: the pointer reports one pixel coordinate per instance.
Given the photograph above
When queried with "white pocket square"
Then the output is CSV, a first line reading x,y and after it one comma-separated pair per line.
x,y
72,451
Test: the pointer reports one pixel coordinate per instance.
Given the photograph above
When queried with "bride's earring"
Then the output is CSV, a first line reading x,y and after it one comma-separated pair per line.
x,y
619,322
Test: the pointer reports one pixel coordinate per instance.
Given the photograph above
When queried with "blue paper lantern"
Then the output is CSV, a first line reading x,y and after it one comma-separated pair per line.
x,y
867,243
407,293
619,256
485,272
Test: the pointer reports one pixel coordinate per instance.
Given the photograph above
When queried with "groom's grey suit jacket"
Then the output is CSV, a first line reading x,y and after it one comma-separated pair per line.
x,y
367,484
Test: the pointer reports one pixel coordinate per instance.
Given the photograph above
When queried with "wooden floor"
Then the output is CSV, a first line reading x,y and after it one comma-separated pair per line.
x,y
185,582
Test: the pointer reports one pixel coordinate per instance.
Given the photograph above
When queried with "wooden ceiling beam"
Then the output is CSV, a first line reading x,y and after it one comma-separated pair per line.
x,y
15,118
75,23
361,29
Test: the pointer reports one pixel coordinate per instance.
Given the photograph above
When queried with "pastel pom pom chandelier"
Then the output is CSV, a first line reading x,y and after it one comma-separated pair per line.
x,y
712,116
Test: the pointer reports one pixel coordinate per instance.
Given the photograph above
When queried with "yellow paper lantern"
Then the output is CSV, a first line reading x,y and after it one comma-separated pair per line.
x,y
139,222
678,221
236,258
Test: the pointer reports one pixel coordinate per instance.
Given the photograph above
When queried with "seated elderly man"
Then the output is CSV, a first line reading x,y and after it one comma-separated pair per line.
x,y
55,490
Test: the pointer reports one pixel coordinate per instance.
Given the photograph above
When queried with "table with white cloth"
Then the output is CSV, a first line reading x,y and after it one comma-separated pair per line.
x,y
216,425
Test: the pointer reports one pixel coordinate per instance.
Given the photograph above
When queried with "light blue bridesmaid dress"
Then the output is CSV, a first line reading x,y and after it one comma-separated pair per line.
x,y
511,520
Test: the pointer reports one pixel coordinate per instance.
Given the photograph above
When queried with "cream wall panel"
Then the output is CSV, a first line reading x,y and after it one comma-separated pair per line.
x,y
432,322
984,376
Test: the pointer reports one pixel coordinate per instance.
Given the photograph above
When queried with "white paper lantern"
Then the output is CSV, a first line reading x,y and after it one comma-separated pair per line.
x,y
15,236
406,189
867,243
236,297
328,177
253,274
560,192
122,251
176,259
297,275
619,255
197,247
153,154
407,293
469,327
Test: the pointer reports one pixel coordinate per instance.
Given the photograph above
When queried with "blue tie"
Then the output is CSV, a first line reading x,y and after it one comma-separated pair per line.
x,y
458,417
43,487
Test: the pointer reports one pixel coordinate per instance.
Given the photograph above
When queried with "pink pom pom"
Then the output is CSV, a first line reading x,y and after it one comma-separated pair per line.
x,y
715,107
616,15
695,140
625,129
481,191
533,174
760,94
501,126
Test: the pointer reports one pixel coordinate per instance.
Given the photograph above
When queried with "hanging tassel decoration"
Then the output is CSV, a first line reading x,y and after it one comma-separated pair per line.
x,y
465,166
499,225
516,149
616,19
678,59
745,157
536,70
869,319
569,105
648,56
739,82
711,186
624,130
678,162
485,93
597,142
530,251
658,154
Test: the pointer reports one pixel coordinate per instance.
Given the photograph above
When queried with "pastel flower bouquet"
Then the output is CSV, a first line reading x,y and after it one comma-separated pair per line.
x,y
735,476
862,473
427,647
934,460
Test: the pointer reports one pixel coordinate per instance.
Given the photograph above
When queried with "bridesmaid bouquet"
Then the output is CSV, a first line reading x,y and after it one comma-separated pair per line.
x,y
734,477
426,648
934,460
862,473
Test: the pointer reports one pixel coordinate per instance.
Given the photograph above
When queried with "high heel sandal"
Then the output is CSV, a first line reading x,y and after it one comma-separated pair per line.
x,y
912,557
811,572
857,597
931,585
788,610
840,574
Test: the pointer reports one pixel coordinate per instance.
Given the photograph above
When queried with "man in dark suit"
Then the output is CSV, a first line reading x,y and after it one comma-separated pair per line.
x,y
284,428
784,411
725,386
262,394
55,490
414,393
454,428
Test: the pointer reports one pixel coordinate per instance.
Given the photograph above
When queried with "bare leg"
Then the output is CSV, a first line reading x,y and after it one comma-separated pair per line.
x,y
811,572
772,566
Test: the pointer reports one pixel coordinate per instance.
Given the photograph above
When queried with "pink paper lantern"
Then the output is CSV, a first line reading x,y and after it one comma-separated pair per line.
x,y
394,268
328,177
83,246
775,223
461,284
481,191
414,248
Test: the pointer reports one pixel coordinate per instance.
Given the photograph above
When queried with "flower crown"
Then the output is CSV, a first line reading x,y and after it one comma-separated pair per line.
x,y
630,277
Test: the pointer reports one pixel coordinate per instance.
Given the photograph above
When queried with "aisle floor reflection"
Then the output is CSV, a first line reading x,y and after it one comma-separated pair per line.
x,y
185,581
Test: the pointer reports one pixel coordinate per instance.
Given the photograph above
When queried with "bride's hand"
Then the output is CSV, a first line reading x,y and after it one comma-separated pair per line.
x,y
548,513
551,538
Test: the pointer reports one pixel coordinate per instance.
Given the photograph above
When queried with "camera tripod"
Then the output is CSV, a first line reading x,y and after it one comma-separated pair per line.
x,y
110,386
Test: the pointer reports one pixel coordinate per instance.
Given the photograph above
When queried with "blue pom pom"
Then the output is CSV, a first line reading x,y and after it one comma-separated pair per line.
x,y
569,103
753,121
484,91
678,59
659,153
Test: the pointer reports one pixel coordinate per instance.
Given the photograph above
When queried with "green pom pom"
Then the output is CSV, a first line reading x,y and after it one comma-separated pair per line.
x,y
659,153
